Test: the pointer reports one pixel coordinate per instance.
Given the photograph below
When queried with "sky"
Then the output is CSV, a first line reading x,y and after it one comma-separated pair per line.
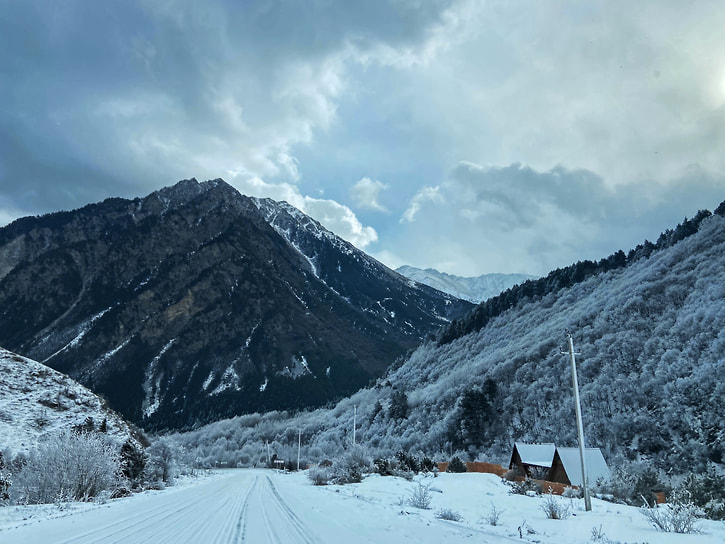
x,y
469,136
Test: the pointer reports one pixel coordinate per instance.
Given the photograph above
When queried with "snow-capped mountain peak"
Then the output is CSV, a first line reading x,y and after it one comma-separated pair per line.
x,y
473,289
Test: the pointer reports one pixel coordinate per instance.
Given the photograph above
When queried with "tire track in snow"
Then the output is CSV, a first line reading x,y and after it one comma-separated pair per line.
x,y
241,528
179,520
140,524
236,508
290,517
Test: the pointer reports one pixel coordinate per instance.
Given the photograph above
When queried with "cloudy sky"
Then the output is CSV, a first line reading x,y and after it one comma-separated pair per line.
x,y
468,136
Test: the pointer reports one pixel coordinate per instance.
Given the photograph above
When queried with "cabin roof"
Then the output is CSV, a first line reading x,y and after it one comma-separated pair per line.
x,y
540,455
596,465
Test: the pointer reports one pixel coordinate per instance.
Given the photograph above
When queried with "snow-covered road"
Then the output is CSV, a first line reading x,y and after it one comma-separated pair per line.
x,y
241,506
265,506
255,506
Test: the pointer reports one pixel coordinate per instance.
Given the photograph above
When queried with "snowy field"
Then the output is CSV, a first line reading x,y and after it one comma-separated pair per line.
x,y
264,506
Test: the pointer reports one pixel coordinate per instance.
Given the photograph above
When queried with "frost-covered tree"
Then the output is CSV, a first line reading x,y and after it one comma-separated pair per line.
x,y
162,460
67,466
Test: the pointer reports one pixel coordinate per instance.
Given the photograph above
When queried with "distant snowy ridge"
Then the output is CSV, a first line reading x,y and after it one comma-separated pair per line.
x,y
37,401
474,289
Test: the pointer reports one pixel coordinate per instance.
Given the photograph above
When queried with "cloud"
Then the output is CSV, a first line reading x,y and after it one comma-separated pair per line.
x,y
518,219
332,215
341,220
135,95
366,194
426,194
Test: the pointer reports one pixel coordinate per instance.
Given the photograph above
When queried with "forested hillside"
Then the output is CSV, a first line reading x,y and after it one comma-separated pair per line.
x,y
650,329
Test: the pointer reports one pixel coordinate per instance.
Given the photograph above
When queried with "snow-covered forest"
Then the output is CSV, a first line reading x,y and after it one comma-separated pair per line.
x,y
651,340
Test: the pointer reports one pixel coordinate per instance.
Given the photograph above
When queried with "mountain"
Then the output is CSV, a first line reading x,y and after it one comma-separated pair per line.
x,y
648,327
37,401
475,289
189,305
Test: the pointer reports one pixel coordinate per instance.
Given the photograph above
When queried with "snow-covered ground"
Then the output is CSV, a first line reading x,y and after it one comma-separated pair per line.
x,y
259,506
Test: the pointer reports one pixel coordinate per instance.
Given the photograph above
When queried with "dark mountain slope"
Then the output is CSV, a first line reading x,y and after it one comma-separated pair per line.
x,y
186,306
362,281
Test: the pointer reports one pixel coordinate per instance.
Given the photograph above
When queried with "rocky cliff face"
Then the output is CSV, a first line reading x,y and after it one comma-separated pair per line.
x,y
196,303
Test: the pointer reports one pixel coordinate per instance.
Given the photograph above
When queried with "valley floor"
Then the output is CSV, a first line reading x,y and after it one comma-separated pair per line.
x,y
264,506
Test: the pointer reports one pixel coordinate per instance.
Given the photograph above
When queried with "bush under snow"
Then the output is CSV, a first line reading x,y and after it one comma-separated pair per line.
x,y
67,466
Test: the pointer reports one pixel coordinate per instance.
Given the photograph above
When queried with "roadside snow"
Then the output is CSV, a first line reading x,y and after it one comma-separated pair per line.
x,y
245,505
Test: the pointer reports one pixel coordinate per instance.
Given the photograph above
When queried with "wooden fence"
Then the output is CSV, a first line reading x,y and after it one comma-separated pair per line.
x,y
490,468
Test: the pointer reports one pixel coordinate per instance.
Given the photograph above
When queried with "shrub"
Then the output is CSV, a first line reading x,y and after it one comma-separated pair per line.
x,y
456,465
678,516
572,493
349,469
493,517
539,473
69,466
382,467
645,487
554,508
527,487
620,486
707,491
420,497
319,475
449,515
404,465
407,462
427,465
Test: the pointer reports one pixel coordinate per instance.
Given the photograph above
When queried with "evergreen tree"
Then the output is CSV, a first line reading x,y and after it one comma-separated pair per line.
x,y
133,461
377,409
398,405
477,415
4,480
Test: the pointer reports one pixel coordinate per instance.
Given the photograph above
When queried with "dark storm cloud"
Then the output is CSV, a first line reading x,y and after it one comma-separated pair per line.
x,y
344,107
114,97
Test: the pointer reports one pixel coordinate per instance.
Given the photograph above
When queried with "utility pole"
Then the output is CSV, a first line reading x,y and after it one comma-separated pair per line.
x,y
579,426
354,423
299,446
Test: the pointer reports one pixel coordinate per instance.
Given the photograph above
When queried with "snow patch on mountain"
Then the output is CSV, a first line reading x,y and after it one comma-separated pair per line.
x,y
229,380
85,327
296,369
152,382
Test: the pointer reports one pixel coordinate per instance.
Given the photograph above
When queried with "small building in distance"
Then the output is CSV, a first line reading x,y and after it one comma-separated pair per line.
x,y
532,460
566,466
555,464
